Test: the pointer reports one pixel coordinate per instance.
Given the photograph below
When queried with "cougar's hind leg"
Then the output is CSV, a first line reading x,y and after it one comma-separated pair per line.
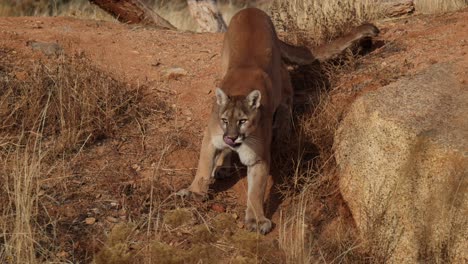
x,y
282,121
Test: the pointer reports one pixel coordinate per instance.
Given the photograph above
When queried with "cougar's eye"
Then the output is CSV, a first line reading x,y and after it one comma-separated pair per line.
x,y
242,121
224,120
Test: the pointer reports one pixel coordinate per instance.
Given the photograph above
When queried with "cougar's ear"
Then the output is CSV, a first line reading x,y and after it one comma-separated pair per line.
x,y
221,97
253,99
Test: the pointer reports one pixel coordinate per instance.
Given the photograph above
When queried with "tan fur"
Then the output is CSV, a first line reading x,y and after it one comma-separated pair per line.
x,y
255,84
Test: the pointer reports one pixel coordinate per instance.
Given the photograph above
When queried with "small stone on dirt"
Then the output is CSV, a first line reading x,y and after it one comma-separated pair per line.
x,y
179,124
218,208
45,47
62,254
174,73
112,219
136,167
90,220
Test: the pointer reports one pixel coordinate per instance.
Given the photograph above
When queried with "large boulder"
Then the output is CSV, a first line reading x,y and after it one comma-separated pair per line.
x,y
402,153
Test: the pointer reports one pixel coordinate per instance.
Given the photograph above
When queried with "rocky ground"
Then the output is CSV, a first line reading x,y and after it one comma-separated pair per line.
x,y
129,177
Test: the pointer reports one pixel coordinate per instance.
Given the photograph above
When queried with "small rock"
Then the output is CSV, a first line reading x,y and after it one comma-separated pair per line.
x,y
90,220
21,75
136,167
218,208
179,124
45,47
186,112
62,254
174,73
112,219
240,224
123,212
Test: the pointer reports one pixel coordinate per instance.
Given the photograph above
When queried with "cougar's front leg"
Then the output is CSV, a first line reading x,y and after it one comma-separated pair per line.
x,y
205,166
257,176
223,165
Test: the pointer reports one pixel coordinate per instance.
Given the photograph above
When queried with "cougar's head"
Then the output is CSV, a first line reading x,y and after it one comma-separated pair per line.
x,y
238,116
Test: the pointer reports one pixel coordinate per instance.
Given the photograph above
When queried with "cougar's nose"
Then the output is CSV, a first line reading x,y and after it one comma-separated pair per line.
x,y
230,140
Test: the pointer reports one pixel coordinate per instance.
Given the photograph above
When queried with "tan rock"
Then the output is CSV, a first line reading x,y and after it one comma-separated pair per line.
x,y
90,220
46,47
174,73
402,152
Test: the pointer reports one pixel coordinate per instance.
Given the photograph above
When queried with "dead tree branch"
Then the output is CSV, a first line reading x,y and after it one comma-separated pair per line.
x,y
133,12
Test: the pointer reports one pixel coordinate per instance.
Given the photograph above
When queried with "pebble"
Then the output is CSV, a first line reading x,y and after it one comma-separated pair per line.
x,y
90,220
218,208
174,73
112,219
62,254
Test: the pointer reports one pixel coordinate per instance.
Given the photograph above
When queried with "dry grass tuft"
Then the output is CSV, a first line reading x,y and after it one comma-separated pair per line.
x,y
178,217
19,177
117,248
314,22
68,102
49,110
77,8
439,6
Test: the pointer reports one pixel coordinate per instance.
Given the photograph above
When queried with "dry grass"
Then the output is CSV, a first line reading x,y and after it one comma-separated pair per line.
x,y
439,6
70,109
20,186
314,22
78,9
48,111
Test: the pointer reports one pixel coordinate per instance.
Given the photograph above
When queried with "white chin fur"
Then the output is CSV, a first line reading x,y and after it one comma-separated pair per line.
x,y
247,155
218,142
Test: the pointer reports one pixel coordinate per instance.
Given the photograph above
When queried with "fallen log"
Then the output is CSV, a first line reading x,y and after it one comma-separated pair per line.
x,y
133,12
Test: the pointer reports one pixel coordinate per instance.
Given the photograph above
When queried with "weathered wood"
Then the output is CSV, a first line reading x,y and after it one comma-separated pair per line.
x,y
207,14
395,8
133,12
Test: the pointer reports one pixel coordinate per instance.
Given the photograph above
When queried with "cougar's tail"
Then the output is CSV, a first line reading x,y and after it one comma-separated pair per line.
x,y
303,56
295,54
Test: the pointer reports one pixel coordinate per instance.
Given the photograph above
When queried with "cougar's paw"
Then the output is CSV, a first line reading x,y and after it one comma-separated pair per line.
x,y
263,226
187,194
